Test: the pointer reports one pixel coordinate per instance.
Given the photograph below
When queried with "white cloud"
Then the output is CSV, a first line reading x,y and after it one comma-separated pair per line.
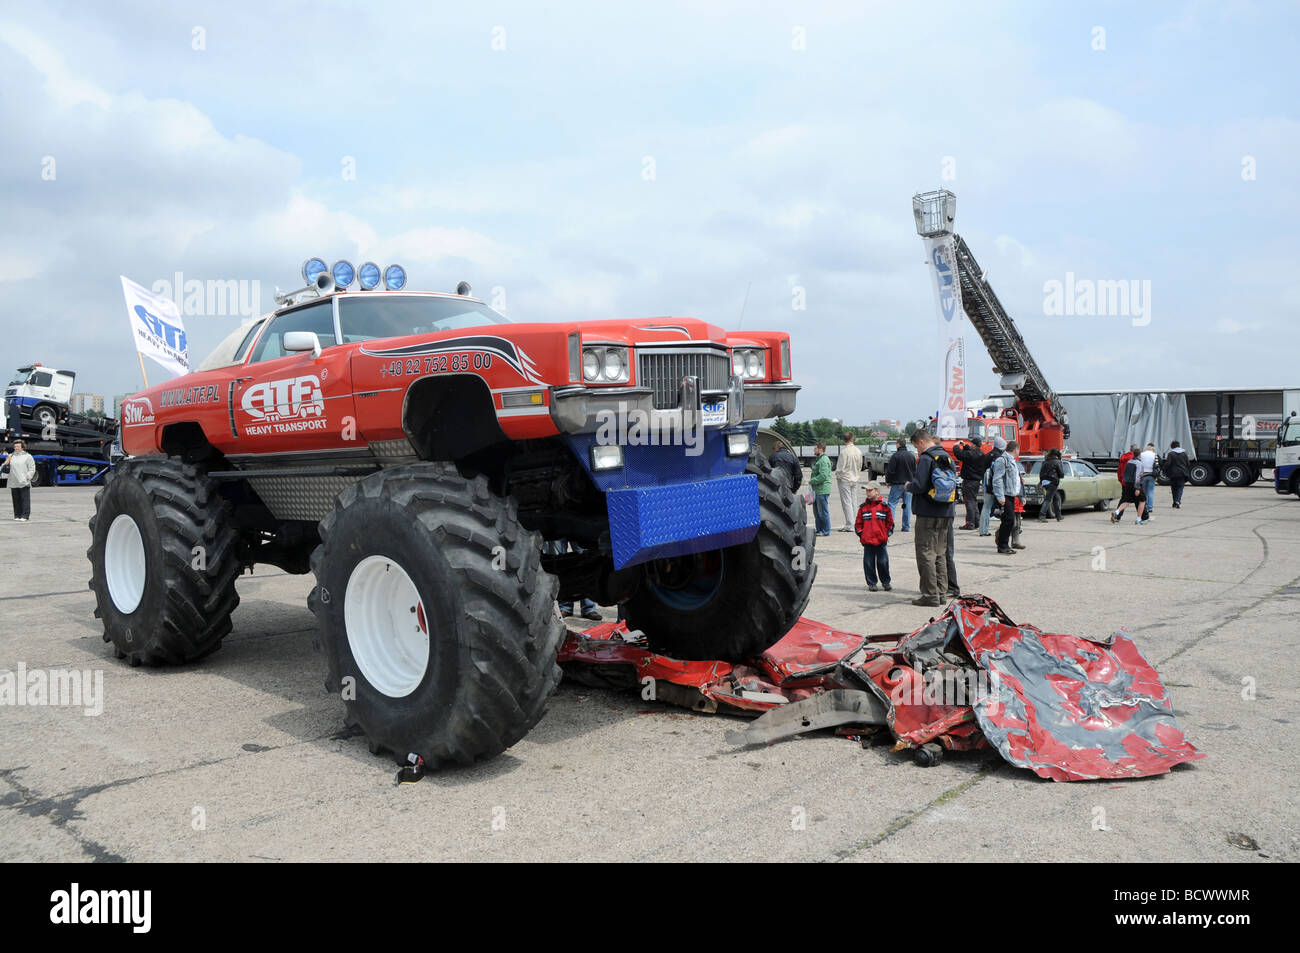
x,y
63,87
1234,326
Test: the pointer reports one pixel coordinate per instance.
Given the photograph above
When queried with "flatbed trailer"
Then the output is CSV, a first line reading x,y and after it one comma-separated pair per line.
x,y
79,452
58,470
1230,433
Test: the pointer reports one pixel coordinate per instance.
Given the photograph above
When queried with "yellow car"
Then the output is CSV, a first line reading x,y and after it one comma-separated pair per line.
x,y
1081,486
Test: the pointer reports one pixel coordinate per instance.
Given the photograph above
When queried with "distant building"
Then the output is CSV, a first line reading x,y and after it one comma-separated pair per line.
x,y
84,403
117,405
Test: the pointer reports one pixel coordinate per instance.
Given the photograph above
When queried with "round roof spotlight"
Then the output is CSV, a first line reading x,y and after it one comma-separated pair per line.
x,y
313,267
463,288
368,276
344,274
394,277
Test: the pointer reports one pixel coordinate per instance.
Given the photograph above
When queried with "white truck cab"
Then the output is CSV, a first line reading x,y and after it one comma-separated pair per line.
x,y
1286,467
40,393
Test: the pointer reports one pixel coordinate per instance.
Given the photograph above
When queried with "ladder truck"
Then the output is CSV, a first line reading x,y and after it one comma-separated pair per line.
x,y
1038,422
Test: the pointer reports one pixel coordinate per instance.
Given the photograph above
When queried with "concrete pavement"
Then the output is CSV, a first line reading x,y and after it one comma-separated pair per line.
x,y
244,756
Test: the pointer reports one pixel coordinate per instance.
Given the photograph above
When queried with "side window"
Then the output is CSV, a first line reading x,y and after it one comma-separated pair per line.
x,y
1082,470
42,379
248,342
318,318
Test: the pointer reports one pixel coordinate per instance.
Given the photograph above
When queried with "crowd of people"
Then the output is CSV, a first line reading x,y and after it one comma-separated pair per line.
x,y
923,481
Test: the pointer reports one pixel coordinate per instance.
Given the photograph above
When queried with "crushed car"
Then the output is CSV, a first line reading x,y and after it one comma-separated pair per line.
x,y
1066,707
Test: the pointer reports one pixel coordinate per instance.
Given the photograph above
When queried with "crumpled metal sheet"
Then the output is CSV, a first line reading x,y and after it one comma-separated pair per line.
x,y
791,670
1066,707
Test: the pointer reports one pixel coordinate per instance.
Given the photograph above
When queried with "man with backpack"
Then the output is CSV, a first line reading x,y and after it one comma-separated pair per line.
x,y
1006,488
934,493
1130,480
1123,462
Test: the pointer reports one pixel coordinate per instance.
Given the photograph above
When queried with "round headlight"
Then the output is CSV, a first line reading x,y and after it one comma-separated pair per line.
x,y
738,363
344,274
753,366
613,364
311,268
394,277
590,365
368,275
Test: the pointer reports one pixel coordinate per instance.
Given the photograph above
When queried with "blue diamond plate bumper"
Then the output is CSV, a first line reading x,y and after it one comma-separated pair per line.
x,y
657,521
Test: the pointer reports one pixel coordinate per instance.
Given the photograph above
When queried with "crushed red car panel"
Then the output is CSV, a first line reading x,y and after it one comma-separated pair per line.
x,y
1070,708
1065,707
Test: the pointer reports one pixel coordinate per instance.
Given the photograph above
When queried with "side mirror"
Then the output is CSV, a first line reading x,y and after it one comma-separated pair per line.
x,y
302,341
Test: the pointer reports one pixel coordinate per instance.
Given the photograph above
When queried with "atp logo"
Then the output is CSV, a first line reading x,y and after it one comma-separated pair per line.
x,y
138,411
293,398
947,302
171,335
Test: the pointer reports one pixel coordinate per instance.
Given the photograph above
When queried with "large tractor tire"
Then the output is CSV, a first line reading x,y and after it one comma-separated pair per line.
x,y
164,562
732,604
438,624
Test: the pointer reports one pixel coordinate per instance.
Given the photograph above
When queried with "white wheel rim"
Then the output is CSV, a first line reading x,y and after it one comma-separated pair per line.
x,y
124,564
388,629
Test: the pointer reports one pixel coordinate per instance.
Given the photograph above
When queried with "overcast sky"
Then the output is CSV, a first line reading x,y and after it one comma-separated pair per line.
x,y
508,144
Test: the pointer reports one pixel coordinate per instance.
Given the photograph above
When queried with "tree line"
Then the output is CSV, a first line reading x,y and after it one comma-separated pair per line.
x,y
826,430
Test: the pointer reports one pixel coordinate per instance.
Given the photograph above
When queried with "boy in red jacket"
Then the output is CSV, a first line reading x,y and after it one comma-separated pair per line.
x,y
874,526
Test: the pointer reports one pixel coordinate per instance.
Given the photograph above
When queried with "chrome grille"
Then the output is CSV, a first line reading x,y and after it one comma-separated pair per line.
x,y
662,371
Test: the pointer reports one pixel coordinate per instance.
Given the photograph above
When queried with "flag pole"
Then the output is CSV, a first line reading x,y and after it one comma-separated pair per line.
x,y
142,373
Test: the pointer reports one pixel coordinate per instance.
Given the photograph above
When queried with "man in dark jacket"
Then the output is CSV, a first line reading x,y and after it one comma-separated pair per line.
x,y
973,465
1176,469
1049,478
933,520
898,471
783,459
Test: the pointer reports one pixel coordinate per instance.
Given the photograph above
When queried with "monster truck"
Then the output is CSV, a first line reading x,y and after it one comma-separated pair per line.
x,y
414,451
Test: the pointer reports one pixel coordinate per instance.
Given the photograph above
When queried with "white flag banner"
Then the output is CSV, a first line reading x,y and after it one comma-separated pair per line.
x,y
942,258
156,327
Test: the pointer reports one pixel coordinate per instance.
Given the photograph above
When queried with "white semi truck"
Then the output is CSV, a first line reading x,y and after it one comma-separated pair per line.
x,y
1286,469
38,393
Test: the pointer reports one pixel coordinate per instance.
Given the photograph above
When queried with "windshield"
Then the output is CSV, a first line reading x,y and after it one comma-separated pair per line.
x,y
1289,433
232,349
367,317
23,374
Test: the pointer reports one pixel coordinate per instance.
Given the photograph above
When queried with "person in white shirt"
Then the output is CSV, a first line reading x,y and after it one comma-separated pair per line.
x,y
847,473
22,468
1148,459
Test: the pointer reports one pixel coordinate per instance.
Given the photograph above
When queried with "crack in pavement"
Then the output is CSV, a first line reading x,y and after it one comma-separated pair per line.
x,y
61,809
951,794
1231,618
